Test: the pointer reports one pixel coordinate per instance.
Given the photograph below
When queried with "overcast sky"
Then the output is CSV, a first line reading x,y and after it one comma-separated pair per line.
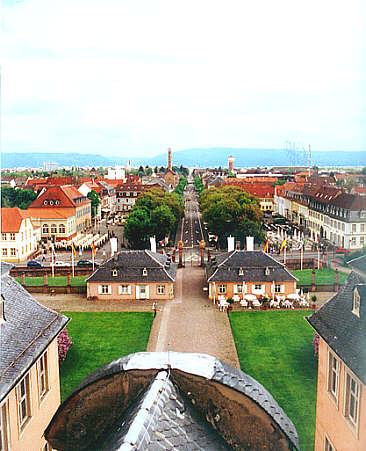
x,y
131,78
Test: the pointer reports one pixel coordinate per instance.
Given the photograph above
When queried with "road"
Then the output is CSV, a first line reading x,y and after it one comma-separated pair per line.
x,y
191,231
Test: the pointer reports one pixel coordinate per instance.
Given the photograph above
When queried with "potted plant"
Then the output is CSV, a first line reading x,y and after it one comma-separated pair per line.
x,y
230,301
264,302
313,300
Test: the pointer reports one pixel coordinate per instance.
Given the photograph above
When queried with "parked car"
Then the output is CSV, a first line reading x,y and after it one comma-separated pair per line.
x,y
34,264
61,263
86,263
341,250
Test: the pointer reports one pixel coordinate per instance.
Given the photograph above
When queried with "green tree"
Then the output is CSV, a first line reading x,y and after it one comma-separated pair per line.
x,y
138,228
197,181
95,202
181,185
162,221
231,211
21,198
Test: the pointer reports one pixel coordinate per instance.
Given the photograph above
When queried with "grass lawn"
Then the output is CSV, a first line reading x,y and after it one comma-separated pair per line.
x,y
322,276
58,281
98,339
276,349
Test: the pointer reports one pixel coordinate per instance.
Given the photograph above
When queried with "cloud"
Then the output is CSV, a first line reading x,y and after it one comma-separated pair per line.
x,y
140,76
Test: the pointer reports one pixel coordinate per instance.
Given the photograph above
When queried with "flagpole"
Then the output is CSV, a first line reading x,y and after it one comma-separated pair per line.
x,y
301,256
72,260
93,255
52,260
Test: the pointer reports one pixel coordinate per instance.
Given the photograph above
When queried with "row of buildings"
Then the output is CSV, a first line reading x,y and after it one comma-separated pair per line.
x,y
62,210
324,210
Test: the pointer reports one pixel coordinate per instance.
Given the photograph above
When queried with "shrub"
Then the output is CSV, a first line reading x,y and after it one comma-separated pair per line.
x,y
64,342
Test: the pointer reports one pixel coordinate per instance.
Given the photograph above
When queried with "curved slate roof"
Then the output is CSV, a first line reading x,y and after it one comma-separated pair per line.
x,y
225,268
342,330
28,329
129,266
166,364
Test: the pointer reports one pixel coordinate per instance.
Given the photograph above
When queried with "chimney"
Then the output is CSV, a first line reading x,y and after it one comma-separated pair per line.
x,y
230,243
170,158
153,244
250,243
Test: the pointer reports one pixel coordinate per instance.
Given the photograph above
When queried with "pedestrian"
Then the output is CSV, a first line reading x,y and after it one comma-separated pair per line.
x,y
154,306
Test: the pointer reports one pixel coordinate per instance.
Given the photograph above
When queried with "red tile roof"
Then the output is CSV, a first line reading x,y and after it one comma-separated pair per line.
x,y
58,197
11,219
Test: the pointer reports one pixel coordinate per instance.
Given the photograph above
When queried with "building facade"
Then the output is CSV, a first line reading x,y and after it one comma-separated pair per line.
x,y
133,275
29,371
341,390
19,236
248,272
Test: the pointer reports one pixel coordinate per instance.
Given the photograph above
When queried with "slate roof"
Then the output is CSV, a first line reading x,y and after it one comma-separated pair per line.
x,y
162,419
27,331
342,330
130,265
225,268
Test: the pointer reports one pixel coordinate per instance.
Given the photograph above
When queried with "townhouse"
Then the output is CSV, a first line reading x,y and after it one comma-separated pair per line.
x,y
248,272
327,212
62,212
19,236
341,388
29,369
127,194
133,275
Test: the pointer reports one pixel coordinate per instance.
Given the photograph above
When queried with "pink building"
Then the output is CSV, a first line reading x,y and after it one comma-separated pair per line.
x,y
341,395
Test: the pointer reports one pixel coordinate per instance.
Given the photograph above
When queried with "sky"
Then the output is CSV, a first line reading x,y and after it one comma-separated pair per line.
x,y
132,78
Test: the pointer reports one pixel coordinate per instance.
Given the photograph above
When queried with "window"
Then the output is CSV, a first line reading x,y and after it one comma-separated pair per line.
x,y
42,371
13,251
3,236
45,202
277,288
114,272
125,289
356,303
258,286
5,252
362,227
105,289
351,404
241,272
12,236
362,241
4,427
144,272
61,228
45,228
238,288
53,228
23,399
333,375
354,228
222,288
327,445
353,241
160,289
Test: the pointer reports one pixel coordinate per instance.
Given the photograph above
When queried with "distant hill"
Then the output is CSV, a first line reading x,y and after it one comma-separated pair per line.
x,y
195,157
217,156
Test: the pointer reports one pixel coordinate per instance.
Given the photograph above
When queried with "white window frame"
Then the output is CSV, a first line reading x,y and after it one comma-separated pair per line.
x,y
124,289
356,303
221,288
42,373
4,252
160,289
4,236
328,445
4,426
277,288
24,400
13,251
333,376
105,289
12,236
238,289
353,422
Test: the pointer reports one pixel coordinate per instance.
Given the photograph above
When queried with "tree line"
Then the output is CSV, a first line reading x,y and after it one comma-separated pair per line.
x,y
156,213
230,210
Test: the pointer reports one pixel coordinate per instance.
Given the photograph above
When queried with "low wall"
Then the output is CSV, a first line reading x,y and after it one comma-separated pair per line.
x,y
56,290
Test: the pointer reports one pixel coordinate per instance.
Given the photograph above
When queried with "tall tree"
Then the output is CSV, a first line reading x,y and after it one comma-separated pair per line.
x,y
95,202
231,211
